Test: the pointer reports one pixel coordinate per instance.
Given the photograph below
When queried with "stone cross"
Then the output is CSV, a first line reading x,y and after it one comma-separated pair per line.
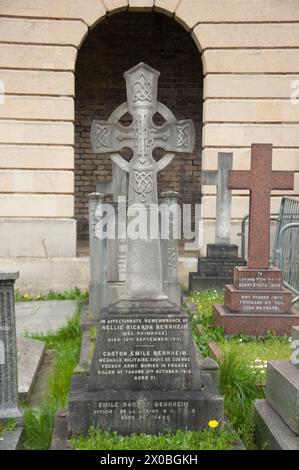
x,y
9,408
219,178
144,278
260,180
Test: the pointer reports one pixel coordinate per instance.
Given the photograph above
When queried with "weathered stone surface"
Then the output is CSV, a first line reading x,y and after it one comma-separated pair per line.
x,y
258,279
271,433
115,5
198,283
245,35
37,57
221,267
141,5
138,352
37,107
9,408
11,440
250,61
36,205
36,157
248,301
282,391
247,86
23,181
242,135
30,132
142,411
222,250
253,324
251,111
166,6
39,32
38,82
30,356
89,11
39,237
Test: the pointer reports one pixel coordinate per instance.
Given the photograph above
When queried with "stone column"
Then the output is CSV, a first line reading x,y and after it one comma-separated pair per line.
x,y
98,259
9,408
169,247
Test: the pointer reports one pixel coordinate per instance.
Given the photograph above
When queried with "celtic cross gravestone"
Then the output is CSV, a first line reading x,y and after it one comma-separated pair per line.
x,y
145,374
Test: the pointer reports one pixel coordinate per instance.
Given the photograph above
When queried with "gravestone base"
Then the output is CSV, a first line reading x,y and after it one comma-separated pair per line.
x,y
256,303
11,413
217,269
199,283
145,375
253,324
282,391
271,432
137,411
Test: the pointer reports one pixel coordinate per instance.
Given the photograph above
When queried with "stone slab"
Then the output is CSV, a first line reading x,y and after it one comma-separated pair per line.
x,y
11,440
44,316
217,250
199,283
248,301
145,353
30,356
282,391
60,434
219,267
253,324
148,412
295,333
258,279
271,432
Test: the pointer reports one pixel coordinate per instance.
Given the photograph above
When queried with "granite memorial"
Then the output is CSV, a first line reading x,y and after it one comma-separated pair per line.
x,y
9,408
145,374
277,417
217,269
257,302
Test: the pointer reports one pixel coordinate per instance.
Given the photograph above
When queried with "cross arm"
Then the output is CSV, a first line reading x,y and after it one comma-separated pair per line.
x,y
108,137
239,179
178,136
282,180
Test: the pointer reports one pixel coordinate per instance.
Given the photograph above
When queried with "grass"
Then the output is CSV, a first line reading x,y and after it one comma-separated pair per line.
x,y
209,439
39,422
243,367
73,294
8,425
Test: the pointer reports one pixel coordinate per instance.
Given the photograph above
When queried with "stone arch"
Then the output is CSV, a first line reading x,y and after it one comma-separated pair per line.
x,y
184,175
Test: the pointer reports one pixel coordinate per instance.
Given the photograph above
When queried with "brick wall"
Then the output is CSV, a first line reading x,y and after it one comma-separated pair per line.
x,y
115,45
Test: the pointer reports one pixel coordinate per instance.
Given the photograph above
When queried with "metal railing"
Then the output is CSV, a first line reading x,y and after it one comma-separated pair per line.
x,y
285,251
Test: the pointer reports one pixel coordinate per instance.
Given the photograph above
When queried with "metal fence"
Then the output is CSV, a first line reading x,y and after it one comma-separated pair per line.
x,y
285,252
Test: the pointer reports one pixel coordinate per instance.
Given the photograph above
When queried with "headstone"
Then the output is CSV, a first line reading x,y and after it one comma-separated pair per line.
x,y
9,408
217,269
282,394
169,248
144,375
257,302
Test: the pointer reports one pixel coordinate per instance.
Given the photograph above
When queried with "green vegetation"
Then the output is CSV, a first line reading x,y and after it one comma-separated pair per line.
x,y
9,425
209,439
73,294
39,422
243,366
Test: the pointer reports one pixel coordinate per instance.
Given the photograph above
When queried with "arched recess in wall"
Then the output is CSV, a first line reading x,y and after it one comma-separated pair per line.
x,y
113,46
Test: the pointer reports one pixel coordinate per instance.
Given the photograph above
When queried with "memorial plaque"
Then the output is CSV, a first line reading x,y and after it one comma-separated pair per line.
x,y
217,251
141,352
218,267
254,279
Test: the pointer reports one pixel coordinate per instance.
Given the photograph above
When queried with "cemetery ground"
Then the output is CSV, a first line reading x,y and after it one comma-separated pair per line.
x,y
242,372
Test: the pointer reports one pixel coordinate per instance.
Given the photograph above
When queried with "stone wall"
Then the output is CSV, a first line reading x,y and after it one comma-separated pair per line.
x,y
250,55
114,46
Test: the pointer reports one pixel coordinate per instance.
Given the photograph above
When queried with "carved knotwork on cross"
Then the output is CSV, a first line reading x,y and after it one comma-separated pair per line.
x,y
142,136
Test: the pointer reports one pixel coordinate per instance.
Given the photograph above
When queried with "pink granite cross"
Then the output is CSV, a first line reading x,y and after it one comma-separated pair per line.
x,y
261,180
